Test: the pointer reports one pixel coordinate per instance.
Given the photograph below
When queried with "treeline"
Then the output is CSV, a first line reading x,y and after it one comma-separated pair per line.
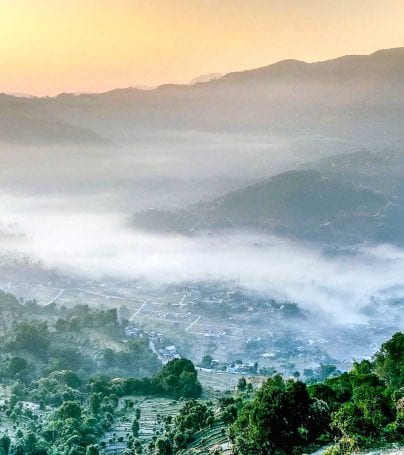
x,y
353,411
177,379
360,409
84,410
36,340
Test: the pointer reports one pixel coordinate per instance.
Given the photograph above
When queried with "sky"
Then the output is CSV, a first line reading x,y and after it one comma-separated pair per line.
x,y
53,46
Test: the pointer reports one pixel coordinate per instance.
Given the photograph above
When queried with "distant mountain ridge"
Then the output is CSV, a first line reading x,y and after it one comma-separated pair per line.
x,y
304,205
205,78
351,97
343,199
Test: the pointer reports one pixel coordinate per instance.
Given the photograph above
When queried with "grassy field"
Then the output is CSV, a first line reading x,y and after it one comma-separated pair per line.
x,y
223,381
75,296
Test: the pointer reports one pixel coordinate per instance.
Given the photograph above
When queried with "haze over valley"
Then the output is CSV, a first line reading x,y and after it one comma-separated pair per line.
x,y
251,222
170,185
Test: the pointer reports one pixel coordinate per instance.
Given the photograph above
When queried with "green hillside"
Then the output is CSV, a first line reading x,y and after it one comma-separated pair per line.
x,y
300,204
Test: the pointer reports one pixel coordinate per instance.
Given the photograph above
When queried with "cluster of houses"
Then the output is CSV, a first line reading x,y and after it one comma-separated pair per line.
x,y
224,333
248,368
233,367
169,353
165,353
228,297
134,332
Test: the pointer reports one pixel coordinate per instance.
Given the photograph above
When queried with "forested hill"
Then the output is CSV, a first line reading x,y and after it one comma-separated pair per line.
x,y
300,204
360,409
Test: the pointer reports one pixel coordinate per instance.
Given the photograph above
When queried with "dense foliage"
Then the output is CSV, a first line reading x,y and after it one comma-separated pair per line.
x,y
35,340
59,398
53,403
358,409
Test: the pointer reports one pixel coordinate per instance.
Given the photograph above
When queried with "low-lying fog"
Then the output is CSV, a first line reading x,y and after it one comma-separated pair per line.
x,y
73,205
100,244
159,170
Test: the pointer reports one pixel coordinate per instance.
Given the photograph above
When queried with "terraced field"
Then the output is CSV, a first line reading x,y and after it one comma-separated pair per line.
x,y
152,412
209,440
27,419
217,381
395,450
84,345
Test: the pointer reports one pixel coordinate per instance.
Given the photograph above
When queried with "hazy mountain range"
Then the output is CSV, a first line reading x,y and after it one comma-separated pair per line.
x,y
344,199
205,78
357,97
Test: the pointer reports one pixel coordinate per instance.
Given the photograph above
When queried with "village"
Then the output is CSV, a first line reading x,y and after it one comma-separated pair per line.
x,y
239,332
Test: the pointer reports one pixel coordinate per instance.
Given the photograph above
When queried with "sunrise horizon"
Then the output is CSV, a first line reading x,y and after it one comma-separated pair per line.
x,y
193,79
49,47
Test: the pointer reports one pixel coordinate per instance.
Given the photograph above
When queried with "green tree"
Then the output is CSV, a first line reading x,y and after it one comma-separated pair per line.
x,y
30,443
95,402
92,450
242,384
5,443
275,421
33,337
137,447
179,379
194,416
389,361
18,448
207,361
163,447
69,410
135,428
17,365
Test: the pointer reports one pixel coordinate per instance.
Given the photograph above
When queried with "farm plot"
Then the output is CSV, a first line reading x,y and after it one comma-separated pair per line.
x,y
26,416
92,343
219,381
98,300
152,413
74,296
42,294
84,345
208,440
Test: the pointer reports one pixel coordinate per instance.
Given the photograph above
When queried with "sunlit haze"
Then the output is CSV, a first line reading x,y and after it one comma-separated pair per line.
x,y
201,227
53,46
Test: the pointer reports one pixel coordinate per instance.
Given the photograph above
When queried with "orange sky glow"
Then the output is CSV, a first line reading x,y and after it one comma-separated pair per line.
x,y
53,46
